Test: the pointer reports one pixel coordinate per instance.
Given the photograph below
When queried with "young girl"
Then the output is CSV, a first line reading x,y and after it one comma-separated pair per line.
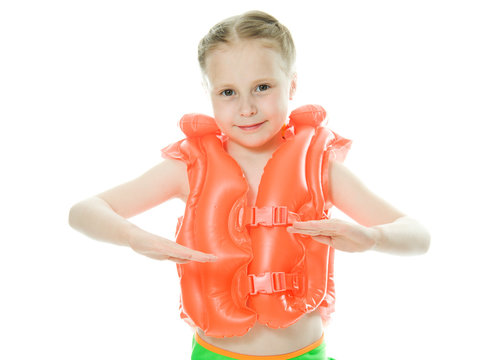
x,y
253,287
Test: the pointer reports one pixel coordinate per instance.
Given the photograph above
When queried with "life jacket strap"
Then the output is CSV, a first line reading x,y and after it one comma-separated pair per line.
x,y
273,282
267,216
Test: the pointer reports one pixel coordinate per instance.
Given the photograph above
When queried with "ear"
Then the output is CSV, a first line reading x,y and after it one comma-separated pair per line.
x,y
293,86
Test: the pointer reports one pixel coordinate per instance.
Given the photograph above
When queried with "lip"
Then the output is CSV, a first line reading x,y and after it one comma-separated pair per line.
x,y
251,127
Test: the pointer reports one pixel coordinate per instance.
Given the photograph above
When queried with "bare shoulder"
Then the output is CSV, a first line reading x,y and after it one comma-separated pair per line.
x,y
349,194
166,180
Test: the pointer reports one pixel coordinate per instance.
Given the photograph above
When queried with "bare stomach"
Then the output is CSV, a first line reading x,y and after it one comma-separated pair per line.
x,y
262,340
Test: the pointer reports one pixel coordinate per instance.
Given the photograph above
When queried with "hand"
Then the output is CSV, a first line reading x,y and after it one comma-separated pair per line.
x,y
340,234
160,248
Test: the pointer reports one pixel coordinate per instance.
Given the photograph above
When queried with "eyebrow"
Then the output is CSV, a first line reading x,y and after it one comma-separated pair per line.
x,y
265,80
258,81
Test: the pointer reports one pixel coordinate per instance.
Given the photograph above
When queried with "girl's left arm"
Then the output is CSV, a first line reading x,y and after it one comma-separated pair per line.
x,y
379,227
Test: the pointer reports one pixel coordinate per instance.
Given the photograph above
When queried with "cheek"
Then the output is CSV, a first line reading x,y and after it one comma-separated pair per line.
x,y
216,106
222,110
222,114
276,104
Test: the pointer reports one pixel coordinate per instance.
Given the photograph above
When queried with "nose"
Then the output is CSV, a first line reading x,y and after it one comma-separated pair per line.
x,y
247,108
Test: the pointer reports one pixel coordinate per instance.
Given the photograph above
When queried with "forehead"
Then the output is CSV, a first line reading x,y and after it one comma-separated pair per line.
x,y
243,61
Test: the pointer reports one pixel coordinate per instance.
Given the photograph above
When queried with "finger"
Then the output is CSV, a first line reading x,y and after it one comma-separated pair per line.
x,y
322,222
302,231
195,257
183,253
311,232
327,240
329,227
178,261
311,224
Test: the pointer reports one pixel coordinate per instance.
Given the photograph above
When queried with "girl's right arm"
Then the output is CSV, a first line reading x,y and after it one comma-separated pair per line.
x,y
104,216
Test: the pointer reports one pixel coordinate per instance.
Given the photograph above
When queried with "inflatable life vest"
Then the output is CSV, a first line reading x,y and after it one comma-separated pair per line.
x,y
263,273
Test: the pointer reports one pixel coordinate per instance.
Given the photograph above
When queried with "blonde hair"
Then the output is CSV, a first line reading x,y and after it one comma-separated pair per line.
x,y
250,25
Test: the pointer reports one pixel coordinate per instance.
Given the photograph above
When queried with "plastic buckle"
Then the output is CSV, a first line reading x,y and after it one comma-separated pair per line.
x,y
268,283
269,216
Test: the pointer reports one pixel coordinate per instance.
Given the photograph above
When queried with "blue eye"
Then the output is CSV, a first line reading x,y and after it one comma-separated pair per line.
x,y
263,87
228,92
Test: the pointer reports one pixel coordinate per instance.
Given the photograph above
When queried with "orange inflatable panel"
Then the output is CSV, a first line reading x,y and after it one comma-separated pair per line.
x,y
263,272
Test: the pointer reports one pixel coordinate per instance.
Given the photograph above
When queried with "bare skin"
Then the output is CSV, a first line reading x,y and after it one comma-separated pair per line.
x,y
380,227
104,216
250,106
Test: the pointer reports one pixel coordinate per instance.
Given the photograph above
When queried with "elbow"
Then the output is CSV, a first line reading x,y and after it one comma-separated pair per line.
x,y
426,240
82,213
419,237
73,215
423,240
78,212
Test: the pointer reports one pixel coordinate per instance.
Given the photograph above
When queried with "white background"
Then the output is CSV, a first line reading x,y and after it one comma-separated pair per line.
x,y
90,91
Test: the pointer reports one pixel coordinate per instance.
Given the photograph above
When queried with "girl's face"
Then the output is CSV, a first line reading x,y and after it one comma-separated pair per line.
x,y
249,90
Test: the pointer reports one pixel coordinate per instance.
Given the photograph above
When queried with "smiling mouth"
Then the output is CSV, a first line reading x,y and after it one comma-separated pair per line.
x,y
251,127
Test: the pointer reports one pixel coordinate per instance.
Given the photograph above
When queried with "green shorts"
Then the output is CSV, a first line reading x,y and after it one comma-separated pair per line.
x,y
204,351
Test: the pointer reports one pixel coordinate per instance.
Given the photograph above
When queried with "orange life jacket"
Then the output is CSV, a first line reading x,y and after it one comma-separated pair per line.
x,y
263,273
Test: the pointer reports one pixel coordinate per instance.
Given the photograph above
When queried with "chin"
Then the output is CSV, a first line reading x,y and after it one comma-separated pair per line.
x,y
256,143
